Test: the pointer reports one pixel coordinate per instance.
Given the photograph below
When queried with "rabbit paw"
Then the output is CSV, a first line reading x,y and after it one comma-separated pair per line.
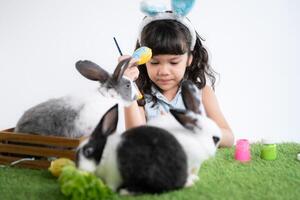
x,y
191,180
125,192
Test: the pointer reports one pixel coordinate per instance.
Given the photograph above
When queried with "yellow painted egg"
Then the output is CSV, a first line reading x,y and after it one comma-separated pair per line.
x,y
143,54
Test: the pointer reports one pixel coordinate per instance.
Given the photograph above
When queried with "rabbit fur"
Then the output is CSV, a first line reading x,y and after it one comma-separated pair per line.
x,y
199,135
120,160
143,159
77,115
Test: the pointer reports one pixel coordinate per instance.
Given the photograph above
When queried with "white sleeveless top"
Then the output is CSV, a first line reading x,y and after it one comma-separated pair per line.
x,y
163,105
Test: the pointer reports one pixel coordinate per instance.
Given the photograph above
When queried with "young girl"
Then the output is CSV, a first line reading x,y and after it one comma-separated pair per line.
x,y
177,54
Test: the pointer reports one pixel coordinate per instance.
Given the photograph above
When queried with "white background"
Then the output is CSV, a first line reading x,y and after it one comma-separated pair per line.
x,y
254,45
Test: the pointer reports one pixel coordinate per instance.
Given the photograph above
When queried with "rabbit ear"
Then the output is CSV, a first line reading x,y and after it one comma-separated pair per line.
x,y
182,7
108,123
120,69
191,96
92,71
152,8
184,118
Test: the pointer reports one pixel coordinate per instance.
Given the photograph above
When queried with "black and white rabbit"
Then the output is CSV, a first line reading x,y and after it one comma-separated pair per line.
x,y
198,135
148,158
78,114
144,159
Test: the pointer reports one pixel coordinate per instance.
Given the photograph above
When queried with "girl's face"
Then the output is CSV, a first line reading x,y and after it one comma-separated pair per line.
x,y
166,71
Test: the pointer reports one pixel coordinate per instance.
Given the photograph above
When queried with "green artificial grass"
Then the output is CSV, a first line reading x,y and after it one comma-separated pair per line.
x,y
220,178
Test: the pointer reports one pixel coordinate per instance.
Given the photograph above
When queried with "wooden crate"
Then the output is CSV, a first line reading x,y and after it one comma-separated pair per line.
x,y
16,146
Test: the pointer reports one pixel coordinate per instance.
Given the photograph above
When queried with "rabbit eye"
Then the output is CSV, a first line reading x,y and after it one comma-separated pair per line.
x,y
127,85
88,151
216,139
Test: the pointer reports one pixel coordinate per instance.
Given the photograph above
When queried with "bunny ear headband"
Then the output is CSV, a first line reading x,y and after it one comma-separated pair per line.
x,y
180,8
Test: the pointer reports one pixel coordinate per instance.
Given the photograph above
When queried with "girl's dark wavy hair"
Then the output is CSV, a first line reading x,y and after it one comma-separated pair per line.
x,y
172,37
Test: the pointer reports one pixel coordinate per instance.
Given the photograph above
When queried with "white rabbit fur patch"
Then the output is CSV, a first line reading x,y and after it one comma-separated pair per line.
x,y
108,168
94,106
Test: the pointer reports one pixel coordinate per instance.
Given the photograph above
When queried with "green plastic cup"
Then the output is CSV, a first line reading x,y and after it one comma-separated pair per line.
x,y
269,152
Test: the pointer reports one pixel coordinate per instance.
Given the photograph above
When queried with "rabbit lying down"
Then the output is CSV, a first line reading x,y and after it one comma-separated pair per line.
x,y
198,135
150,159
77,115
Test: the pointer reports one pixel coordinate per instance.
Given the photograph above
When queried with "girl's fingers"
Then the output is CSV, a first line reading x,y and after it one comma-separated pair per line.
x,y
132,73
133,62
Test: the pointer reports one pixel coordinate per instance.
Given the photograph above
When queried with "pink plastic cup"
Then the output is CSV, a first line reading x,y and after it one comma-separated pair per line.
x,y
242,151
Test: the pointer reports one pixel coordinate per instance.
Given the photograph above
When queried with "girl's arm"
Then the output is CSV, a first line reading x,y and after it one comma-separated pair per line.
x,y
213,111
134,116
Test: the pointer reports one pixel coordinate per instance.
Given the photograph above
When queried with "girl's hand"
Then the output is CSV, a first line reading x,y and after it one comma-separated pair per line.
x,y
132,71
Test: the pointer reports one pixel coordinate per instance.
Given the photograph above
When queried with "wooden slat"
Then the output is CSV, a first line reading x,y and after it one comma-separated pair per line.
x,y
9,135
36,151
37,139
9,130
15,146
34,164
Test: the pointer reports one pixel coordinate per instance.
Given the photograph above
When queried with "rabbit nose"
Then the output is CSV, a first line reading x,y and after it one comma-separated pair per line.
x,y
216,139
